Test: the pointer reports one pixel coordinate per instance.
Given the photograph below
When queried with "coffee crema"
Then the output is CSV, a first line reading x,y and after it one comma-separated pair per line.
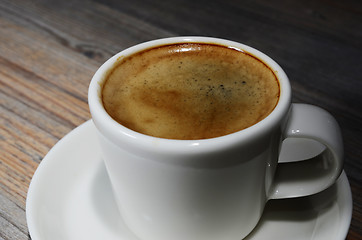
x,y
190,91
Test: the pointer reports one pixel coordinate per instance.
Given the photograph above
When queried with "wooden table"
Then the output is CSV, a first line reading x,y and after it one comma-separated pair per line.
x,y
49,51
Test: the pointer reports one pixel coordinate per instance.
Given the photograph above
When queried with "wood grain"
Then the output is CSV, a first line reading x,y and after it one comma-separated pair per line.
x,y
50,49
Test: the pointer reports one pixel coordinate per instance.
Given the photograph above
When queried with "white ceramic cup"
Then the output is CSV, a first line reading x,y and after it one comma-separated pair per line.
x,y
212,189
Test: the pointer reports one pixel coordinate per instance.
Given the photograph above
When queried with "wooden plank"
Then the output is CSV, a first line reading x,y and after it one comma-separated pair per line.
x,y
12,220
97,31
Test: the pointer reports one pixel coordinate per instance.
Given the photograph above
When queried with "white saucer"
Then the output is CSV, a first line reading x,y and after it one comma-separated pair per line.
x,y
70,197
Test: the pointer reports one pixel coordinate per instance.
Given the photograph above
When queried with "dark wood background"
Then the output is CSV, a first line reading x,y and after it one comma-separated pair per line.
x,y
49,51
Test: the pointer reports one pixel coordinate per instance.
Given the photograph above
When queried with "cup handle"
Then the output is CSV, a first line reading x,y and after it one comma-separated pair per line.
x,y
307,177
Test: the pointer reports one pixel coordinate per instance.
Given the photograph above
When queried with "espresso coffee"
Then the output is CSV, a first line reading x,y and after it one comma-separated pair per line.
x,y
190,91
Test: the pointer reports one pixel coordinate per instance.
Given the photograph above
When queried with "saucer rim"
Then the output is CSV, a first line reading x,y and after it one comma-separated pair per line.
x,y
345,209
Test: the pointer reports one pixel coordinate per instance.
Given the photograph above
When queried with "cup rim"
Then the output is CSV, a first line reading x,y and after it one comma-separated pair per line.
x,y
119,134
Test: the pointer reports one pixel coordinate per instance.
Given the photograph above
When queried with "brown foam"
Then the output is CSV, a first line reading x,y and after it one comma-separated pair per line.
x,y
190,91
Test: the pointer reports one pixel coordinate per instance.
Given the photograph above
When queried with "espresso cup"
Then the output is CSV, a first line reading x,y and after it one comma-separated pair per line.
x,y
205,187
